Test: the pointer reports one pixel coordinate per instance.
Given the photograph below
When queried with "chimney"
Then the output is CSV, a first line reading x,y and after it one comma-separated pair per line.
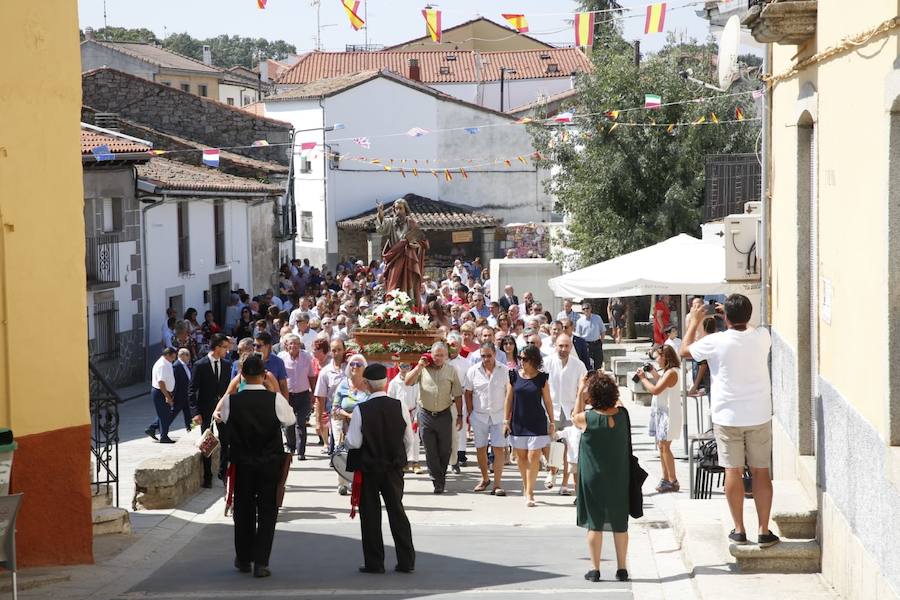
x,y
207,56
414,73
89,34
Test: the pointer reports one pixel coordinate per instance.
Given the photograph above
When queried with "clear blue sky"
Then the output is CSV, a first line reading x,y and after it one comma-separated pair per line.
x,y
390,21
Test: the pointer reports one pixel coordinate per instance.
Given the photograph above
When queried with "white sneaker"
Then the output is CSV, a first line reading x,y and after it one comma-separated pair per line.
x,y
550,481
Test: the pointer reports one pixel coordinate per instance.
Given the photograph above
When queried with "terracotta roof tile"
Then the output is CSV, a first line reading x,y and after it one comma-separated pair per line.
x,y
175,176
430,215
157,55
465,66
94,139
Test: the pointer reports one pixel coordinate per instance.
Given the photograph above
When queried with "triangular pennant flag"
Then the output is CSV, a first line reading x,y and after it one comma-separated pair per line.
x,y
612,114
472,130
403,172
156,152
103,153
351,7
521,159
670,128
363,142
614,125
463,173
700,120
415,172
652,101
507,162
375,161
757,94
307,145
584,29
524,121
518,21
656,18
738,114
433,172
538,156
261,3
714,118
211,157
259,143
433,23
447,175
416,132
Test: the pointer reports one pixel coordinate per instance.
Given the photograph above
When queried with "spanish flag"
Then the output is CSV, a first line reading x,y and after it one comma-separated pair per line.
x,y
517,21
739,114
261,4
656,18
351,7
433,23
584,29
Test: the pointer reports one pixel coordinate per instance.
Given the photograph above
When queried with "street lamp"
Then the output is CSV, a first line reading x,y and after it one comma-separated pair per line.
x,y
503,72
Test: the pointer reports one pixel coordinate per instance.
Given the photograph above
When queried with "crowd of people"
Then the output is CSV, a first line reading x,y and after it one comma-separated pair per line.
x,y
506,375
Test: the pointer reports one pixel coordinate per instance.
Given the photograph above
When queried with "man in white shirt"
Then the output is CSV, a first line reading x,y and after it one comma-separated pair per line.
x,y
409,395
162,382
461,365
306,333
672,338
565,373
485,393
486,334
305,306
567,312
741,407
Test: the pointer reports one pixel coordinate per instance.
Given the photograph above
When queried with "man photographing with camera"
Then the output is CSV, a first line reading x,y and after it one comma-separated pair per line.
x,y
741,407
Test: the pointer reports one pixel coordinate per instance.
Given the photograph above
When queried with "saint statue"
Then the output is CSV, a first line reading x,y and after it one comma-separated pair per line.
x,y
403,251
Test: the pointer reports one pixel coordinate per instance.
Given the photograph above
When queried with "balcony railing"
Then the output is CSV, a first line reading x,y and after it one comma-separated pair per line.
x,y
788,22
102,259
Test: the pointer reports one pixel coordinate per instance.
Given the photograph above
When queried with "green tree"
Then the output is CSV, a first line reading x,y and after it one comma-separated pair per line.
x,y
122,34
632,185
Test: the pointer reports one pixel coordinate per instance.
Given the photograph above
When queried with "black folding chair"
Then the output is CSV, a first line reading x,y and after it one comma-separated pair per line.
x,y
9,510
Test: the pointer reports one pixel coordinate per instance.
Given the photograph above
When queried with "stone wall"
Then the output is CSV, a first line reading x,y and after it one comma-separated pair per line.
x,y
128,366
353,243
172,111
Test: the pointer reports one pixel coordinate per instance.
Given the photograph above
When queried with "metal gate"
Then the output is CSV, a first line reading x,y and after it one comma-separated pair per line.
x,y
104,433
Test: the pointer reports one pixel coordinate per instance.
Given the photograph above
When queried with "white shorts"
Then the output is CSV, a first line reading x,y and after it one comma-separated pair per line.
x,y
529,442
488,434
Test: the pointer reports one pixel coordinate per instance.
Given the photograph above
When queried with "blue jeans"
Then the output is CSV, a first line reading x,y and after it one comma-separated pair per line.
x,y
163,413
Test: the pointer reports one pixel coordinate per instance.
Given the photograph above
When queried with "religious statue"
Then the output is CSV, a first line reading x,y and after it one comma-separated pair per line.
x,y
404,249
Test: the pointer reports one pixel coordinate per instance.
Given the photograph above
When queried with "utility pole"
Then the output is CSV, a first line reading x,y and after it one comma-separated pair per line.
x,y
366,19
637,53
318,5
503,72
104,15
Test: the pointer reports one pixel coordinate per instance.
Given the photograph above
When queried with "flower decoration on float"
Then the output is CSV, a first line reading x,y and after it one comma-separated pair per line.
x,y
396,313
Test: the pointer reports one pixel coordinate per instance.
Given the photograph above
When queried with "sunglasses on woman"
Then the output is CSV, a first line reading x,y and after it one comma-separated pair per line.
x,y
356,364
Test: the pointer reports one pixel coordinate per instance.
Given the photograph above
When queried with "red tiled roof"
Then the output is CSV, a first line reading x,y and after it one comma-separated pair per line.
x,y
467,66
429,214
175,176
94,139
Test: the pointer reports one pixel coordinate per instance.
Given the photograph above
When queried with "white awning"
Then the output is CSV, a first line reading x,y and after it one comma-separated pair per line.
x,y
679,265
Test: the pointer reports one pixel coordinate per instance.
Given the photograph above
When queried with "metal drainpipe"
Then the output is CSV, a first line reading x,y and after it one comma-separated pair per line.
x,y
763,243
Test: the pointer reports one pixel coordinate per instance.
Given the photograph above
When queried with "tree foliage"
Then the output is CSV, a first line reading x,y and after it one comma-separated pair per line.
x,y
227,51
630,186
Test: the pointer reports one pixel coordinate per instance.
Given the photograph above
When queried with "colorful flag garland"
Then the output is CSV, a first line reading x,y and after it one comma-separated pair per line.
x,y
362,142
518,21
351,7
652,101
584,29
416,132
433,23
102,153
656,18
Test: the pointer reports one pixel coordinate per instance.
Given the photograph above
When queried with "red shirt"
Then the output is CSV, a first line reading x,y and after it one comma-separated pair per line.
x,y
659,325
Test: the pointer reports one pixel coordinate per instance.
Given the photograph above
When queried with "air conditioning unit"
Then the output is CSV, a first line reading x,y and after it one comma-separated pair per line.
x,y
741,233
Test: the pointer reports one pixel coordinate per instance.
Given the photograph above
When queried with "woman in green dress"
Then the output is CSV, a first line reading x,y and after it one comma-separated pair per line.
x,y
603,469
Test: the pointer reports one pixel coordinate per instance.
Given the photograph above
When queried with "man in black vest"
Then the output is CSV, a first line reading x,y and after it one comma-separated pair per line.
x,y
255,417
380,429
209,380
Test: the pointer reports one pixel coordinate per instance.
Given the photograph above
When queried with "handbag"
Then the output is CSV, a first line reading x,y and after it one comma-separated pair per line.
x,y
557,454
208,442
636,478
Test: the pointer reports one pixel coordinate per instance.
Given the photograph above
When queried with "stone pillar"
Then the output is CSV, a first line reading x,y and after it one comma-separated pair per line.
x,y
488,245
373,246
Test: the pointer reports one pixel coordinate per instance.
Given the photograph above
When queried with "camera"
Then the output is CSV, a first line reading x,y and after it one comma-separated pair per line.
x,y
647,368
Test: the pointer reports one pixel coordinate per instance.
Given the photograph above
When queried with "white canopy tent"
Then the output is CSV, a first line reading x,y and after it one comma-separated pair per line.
x,y
677,266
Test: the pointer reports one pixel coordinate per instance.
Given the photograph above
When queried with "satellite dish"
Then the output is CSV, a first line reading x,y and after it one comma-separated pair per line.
x,y
729,70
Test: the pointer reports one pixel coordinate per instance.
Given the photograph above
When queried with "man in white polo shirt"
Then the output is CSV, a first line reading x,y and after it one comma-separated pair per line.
x,y
485,393
565,373
741,407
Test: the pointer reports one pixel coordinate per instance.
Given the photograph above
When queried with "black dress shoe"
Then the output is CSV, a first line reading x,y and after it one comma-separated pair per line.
x,y
438,489
593,575
207,483
455,469
371,570
243,567
261,571
166,440
622,574
151,432
400,569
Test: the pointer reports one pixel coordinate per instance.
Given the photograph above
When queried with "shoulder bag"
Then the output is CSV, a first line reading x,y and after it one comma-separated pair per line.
x,y
636,479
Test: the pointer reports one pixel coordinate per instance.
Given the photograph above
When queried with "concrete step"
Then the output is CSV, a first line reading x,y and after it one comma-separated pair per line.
x,y
788,556
794,513
111,520
645,399
101,498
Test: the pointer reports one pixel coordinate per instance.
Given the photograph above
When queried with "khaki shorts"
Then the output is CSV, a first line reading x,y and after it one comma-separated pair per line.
x,y
739,445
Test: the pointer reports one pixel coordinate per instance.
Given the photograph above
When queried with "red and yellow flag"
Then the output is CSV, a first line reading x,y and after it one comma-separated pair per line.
x,y
656,18
739,114
433,23
517,21
351,7
261,3
584,29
